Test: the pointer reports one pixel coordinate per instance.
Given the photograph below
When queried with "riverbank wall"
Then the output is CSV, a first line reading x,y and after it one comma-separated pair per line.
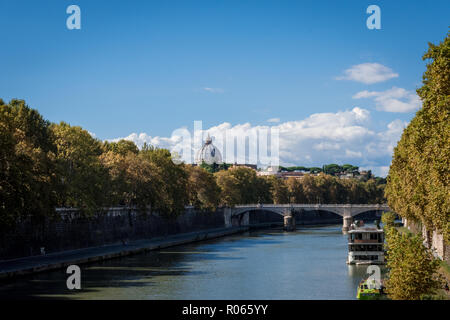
x,y
11,269
71,230
432,239
117,232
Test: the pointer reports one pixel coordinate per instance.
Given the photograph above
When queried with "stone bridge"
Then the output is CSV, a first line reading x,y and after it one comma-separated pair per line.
x,y
290,211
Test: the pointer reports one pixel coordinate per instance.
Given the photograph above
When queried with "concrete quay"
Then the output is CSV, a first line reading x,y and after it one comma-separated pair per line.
x,y
28,265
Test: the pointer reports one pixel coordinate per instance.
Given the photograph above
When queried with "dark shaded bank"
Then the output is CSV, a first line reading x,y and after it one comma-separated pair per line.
x,y
28,265
259,264
132,233
71,231
118,225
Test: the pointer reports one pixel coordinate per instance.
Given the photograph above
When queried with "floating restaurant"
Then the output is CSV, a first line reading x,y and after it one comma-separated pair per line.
x,y
365,244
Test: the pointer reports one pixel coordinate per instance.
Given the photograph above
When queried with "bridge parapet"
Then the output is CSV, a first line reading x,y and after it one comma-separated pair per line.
x,y
344,210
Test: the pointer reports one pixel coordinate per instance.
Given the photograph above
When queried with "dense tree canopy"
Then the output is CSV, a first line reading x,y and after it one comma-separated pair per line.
x,y
27,170
204,192
121,147
412,268
82,177
241,185
418,181
134,181
46,165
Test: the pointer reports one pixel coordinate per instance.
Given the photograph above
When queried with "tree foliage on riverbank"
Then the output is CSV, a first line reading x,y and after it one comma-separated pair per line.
x,y
242,185
46,165
412,267
27,164
418,181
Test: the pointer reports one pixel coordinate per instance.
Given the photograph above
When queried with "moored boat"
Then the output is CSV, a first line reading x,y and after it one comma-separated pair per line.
x,y
370,290
365,245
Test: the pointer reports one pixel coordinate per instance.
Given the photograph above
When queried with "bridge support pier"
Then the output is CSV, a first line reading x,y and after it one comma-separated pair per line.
x,y
289,222
346,222
227,217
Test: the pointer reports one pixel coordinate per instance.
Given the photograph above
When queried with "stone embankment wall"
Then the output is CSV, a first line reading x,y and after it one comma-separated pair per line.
x,y
432,240
72,231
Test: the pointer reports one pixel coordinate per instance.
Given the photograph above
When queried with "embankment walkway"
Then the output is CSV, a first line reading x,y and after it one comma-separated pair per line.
x,y
28,265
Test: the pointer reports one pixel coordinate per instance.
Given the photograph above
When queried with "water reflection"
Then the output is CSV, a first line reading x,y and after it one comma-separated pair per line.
x,y
270,264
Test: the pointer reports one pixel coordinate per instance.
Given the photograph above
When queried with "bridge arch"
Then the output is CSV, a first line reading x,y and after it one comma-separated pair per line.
x,y
256,216
239,211
240,214
372,213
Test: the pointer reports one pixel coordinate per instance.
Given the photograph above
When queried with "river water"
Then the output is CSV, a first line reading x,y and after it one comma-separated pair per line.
x,y
265,264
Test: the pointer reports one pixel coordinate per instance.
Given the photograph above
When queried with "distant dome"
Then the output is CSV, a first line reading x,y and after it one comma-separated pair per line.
x,y
208,153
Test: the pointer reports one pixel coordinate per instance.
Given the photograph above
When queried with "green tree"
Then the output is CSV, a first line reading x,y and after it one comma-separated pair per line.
x,y
312,192
332,169
84,180
263,191
27,172
388,219
355,191
246,184
412,267
135,181
418,182
122,147
174,177
315,170
204,193
350,168
240,185
295,189
229,191
279,190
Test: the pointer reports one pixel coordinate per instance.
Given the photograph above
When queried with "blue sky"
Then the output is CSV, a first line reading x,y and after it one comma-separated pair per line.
x,y
154,66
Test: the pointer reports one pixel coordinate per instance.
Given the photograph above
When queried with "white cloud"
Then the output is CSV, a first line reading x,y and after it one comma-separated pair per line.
x,y
274,120
214,90
368,73
322,146
321,138
353,154
392,100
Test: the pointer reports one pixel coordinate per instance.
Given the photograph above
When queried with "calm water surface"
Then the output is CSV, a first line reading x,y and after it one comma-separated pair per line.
x,y
271,264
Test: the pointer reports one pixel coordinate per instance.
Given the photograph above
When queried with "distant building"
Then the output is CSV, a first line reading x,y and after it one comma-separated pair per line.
x,y
270,171
293,174
251,166
346,175
274,171
208,153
